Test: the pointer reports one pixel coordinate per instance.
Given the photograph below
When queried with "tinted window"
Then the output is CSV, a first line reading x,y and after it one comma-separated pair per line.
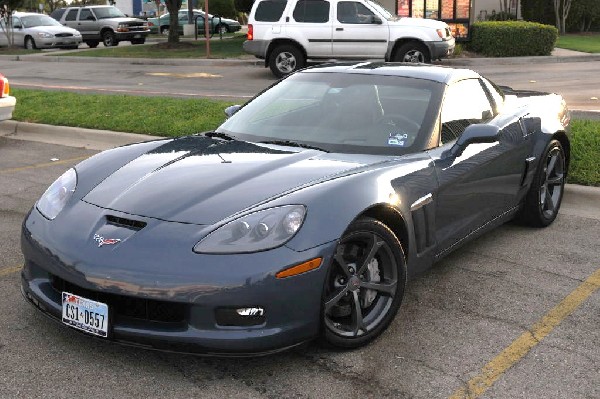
x,y
270,11
311,11
465,103
351,12
86,15
56,14
16,21
71,15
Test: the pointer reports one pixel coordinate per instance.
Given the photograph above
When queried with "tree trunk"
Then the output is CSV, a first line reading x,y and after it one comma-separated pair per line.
x,y
173,7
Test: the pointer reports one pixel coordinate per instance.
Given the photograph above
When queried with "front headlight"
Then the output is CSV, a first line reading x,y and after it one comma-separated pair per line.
x,y
45,34
255,232
56,196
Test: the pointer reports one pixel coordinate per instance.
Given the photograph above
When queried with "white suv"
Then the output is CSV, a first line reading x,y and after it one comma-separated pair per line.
x,y
287,33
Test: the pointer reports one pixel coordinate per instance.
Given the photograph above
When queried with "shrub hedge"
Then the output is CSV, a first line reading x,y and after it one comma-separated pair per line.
x,y
512,38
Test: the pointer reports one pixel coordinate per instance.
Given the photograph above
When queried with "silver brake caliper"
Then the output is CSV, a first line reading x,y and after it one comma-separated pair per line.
x,y
372,275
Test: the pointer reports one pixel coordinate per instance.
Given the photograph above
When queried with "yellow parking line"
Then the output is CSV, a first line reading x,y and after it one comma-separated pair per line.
x,y
526,342
42,165
10,270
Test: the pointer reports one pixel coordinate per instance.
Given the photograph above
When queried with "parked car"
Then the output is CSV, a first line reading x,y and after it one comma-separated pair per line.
x,y
223,25
33,31
286,34
301,216
103,23
7,102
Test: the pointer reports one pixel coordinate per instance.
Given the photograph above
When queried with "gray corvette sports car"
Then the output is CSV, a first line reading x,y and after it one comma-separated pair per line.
x,y
302,216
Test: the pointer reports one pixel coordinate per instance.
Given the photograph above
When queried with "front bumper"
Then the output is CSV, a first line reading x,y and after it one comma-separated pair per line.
x,y
157,268
441,49
126,36
54,42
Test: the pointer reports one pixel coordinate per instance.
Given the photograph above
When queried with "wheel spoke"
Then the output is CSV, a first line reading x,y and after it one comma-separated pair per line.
x,y
357,316
549,201
386,288
335,299
375,245
556,180
343,265
551,165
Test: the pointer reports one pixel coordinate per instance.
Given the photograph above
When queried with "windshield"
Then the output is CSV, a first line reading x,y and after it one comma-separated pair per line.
x,y
381,10
38,20
108,12
342,112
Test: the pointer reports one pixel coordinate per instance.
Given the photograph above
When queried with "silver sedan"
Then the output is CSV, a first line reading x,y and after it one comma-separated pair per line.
x,y
32,31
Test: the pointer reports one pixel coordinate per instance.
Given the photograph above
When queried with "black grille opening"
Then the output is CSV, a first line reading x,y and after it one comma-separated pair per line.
x,y
63,35
123,222
126,306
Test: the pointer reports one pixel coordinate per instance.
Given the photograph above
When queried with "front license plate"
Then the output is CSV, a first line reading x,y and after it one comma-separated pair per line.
x,y
85,314
138,36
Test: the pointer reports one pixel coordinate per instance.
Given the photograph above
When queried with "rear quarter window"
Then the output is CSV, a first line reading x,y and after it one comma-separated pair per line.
x,y
72,15
270,10
56,14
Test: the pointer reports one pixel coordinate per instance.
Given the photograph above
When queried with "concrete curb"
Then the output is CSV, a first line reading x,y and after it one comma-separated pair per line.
x,y
92,139
550,59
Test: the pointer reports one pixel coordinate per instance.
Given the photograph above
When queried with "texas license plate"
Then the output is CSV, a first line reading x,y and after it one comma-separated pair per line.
x,y
138,36
85,314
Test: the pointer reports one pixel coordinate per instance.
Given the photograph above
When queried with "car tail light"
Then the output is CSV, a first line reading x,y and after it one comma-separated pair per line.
x,y
250,32
4,86
441,33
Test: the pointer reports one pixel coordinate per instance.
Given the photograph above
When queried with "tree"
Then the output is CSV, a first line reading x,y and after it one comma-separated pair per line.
x,y
51,5
561,10
6,9
173,7
584,14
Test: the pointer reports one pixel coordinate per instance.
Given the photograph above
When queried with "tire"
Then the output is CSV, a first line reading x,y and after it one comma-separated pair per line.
x,y
221,29
285,59
30,43
545,194
412,52
368,255
138,41
92,44
109,39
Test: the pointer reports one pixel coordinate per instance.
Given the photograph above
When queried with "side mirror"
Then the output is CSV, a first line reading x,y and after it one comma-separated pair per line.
x,y
229,111
478,133
376,20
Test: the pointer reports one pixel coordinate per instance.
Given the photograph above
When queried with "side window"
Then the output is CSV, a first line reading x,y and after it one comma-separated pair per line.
x,y
270,10
496,94
72,15
86,15
351,12
16,22
465,103
56,14
315,11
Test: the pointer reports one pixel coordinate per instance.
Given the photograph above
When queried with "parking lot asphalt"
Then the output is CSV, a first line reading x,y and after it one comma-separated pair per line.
x,y
513,314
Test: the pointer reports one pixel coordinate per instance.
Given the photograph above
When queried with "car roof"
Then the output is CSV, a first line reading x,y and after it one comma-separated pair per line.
x,y
436,73
25,14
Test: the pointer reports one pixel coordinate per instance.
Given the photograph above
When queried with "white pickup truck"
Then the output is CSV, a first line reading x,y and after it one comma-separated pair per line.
x,y
287,33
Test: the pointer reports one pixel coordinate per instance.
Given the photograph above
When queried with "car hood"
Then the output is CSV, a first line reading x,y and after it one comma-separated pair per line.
x,y
52,29
423,22
200,180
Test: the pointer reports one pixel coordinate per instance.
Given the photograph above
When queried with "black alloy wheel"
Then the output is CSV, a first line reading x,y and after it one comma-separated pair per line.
x,y
364,286
546,192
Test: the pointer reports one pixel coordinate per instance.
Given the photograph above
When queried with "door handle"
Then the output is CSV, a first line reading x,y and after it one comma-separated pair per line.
x,y
339,29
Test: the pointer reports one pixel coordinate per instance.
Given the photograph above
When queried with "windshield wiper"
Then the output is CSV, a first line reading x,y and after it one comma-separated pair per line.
x,y
219,135
290,143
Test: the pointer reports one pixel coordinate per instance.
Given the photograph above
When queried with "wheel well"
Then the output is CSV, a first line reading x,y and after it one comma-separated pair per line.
x,y
279,42
566,144
401,42
393,220
103,30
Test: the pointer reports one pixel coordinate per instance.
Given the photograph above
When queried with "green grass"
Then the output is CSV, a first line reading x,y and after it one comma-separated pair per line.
x,y
587,43
159,116
585,153
226,48
165,116
16,51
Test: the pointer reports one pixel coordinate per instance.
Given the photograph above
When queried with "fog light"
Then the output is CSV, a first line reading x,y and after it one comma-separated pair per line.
x,y
240,317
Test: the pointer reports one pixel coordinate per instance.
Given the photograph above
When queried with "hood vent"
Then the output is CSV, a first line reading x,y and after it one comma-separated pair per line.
x,y
127,223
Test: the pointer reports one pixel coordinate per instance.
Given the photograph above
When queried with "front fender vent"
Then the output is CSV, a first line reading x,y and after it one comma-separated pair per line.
x,y
127,223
